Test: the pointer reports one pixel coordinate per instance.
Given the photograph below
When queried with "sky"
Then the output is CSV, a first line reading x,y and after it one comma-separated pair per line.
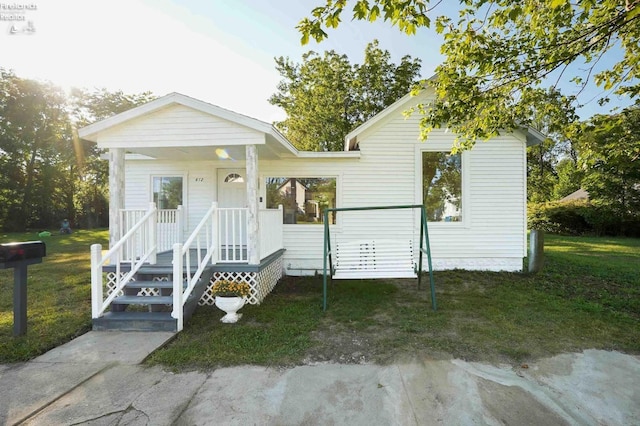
x,y
218,51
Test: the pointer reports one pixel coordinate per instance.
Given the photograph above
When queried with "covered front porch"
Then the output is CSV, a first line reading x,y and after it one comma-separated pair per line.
x,y
184,205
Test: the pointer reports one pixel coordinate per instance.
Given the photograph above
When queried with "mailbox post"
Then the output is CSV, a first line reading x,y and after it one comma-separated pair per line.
x,y
18,256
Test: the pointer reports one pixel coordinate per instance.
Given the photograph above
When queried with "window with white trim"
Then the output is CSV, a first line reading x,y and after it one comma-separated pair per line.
x,y
442,186
304,200
167,191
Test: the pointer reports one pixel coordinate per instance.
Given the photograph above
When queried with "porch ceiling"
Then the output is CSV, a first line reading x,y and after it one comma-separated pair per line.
x,y
205,153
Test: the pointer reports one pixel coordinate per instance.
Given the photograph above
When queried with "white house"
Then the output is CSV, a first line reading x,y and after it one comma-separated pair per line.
x,y
196,160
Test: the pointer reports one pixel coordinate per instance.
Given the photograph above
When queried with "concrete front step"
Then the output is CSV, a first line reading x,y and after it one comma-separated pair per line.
x,y
136,321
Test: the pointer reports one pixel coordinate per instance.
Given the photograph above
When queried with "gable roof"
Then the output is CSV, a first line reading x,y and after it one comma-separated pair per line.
x,y
580,194
91,131
533,136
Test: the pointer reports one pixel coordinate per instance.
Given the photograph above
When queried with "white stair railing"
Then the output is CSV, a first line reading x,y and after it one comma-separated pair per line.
x,y
137,247
203,242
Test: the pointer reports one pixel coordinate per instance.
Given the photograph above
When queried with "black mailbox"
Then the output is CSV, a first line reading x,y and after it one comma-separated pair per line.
x,y
14,252
18,256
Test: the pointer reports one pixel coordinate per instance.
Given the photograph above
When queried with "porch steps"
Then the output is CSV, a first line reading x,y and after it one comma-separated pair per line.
x,y
139,311
143,300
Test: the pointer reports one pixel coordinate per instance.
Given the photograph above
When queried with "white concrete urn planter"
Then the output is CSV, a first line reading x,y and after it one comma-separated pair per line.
x,y
231,305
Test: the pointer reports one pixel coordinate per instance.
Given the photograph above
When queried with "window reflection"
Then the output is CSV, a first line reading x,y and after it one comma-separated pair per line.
x,y
304,200
442,186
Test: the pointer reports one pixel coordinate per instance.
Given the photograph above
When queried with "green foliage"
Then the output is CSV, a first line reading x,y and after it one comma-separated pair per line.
x,y
35,162
541,174
91,195
325,97
569,178
609,147
580,218
46,173
501,54
558,218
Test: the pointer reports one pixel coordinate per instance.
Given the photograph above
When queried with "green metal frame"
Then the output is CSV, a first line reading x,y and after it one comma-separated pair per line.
x,y
424,238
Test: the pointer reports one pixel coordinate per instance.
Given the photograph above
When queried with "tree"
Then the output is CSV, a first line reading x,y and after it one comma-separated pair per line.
x,y
569,178
46,173
609,152
91,190
541,173
500,54
325,97
34,135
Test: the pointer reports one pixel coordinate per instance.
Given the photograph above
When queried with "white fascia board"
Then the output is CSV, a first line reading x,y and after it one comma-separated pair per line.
x,y
329,154
284,141
534,137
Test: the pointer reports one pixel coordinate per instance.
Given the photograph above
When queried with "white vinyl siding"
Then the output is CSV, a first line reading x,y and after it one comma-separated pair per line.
x,y
198,185
178,125
492,234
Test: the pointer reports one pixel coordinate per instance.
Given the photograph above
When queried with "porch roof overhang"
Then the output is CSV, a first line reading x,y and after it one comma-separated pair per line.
x,y
270,142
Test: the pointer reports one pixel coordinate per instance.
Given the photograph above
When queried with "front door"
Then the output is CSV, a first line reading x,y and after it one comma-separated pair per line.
x,y
232,200
232,188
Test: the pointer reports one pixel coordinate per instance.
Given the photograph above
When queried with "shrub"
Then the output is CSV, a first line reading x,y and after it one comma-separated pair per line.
x,y
581,217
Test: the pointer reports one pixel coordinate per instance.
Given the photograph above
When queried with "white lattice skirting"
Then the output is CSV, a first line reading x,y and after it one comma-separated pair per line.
x,y
261,283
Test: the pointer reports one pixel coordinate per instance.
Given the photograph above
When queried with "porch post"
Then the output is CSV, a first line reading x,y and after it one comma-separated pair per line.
x,y
116,193
253,231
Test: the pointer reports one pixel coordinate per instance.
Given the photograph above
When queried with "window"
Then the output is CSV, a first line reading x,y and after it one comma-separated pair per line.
x,y
234,178
167,191
304,200
442,186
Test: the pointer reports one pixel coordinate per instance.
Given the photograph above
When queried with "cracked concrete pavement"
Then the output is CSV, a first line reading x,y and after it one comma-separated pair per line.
x,y
97,379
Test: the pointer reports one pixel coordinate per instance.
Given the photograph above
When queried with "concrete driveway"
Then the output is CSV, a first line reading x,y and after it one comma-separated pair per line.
x,y
97,380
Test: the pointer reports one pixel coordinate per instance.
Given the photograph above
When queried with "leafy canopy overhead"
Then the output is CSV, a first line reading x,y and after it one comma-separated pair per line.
x,y
506,58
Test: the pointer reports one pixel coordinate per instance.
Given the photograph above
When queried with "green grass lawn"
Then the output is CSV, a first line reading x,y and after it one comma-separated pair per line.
x,y
587,296
58,295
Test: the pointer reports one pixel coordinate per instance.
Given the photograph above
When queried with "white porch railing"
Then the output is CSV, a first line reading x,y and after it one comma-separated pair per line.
x,y
202,242
271,235
168,228
232,238
136,247
220,237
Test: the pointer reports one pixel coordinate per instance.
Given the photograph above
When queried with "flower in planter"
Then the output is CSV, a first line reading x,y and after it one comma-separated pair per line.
x,y
226,288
